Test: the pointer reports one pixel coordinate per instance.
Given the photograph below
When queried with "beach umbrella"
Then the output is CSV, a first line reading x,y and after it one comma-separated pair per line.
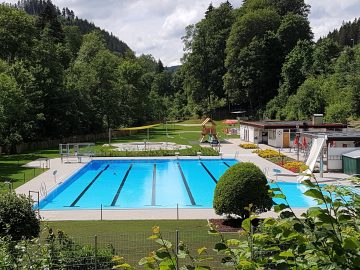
x,y
296,141
304,142
230,122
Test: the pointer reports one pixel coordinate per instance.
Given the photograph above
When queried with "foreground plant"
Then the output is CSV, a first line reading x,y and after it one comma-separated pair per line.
x,y
325,237
169,256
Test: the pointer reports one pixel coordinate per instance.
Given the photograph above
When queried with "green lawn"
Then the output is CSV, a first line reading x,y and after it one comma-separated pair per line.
x,y
105,227
11,168
176,133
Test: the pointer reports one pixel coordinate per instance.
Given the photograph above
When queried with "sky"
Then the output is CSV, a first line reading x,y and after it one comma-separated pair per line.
x,y
156,26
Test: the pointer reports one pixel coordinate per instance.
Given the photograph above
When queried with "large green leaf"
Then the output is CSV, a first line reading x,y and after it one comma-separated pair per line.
x,y
246,225
167,264
279,207
314,211
351,243
314,193
308,183
162,254
279,196
165,243
287,254
219,247
201,250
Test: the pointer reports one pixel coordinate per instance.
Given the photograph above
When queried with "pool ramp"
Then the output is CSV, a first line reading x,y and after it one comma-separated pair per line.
x,y
315,152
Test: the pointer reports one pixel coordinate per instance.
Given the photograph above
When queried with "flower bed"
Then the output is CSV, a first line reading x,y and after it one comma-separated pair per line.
x,y
268,153
295,166
248,146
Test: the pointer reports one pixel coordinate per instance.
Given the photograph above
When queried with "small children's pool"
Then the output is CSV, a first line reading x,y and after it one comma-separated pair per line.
x,y
150,183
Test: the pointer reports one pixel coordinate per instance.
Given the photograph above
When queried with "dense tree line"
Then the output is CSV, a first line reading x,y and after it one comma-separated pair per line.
x,y
347,35
262,58
234,56
319,78
67,17
56,82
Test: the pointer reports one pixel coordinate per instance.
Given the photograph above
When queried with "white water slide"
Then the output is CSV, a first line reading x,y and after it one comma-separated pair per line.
x,y
315,152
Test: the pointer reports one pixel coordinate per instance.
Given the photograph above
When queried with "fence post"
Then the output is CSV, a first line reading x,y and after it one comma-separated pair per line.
x,y
177,249
101,214
38,203
95,251
251,242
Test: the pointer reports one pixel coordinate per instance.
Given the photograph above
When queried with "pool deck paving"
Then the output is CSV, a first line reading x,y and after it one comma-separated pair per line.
x,y
60,171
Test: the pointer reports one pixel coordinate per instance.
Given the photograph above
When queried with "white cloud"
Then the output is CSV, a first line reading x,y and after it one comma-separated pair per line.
x,y
156,27
327,15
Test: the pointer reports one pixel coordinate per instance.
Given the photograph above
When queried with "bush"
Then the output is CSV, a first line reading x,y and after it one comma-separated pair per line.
x,y
17,217
241,185
248,146
205,151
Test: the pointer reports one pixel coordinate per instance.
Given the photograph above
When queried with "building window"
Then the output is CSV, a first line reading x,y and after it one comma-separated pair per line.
x,y
272,134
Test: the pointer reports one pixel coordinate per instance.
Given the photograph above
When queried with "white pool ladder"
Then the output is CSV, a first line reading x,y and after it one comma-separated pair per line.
x,y
43,189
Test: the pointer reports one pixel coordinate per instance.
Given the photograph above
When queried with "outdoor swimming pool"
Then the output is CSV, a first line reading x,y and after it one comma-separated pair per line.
x,y
162,183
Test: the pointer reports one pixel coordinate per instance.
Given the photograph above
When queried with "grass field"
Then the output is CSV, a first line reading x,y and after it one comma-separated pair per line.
x,y
105,227
11,169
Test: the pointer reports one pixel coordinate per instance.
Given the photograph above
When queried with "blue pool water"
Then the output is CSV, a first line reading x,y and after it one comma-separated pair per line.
x,y
149,184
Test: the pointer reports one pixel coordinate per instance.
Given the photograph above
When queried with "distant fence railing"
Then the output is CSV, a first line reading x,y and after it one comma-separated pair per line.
x,y
53,143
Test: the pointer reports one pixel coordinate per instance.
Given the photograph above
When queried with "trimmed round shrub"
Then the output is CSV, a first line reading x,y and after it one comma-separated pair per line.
x,y
241,185
17,217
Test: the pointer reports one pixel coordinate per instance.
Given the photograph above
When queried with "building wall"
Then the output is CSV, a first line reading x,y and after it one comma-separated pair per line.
x,y
275,137
343,143
335,156
247,133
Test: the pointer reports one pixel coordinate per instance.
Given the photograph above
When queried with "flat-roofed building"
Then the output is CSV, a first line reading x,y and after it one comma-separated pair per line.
x,y
282,134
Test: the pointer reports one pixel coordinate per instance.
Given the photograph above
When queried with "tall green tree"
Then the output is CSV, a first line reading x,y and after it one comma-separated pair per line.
x,y
293,28
12,110
204,66
48,18
253,59
17,33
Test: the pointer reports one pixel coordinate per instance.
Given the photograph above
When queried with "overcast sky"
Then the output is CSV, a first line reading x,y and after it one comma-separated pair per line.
x,y
156,26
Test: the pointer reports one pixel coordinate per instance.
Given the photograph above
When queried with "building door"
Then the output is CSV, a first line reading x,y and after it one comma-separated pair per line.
x,y
286,139
264,136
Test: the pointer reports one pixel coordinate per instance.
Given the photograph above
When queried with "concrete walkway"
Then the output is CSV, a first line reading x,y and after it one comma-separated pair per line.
x,y
46,182
49,180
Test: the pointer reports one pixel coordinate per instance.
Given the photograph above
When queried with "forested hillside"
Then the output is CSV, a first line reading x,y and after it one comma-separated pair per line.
x,y
347,35
68,17
62,76
56,82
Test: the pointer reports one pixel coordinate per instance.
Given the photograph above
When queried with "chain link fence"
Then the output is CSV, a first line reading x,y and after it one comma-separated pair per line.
x,y
96,252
